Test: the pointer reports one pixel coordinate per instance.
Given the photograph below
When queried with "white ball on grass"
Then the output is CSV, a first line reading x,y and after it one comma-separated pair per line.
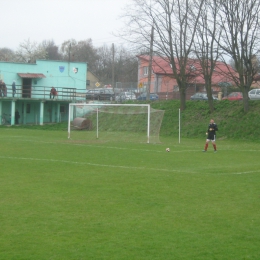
x,y
167,149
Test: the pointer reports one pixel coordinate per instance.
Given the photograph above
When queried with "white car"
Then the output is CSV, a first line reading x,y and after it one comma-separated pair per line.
x,y
254,94
201,96
126,96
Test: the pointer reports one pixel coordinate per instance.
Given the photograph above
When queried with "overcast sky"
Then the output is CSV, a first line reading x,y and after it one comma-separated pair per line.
x,y
60,20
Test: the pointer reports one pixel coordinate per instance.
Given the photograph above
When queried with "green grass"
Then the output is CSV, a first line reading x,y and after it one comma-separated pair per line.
x,y
233,122
62,199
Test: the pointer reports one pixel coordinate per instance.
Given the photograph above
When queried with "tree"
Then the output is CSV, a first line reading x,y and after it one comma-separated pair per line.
x,y
29,52
81,51
104,63
7,54
125,65
240,23
51,49
206,49
175,25
66,49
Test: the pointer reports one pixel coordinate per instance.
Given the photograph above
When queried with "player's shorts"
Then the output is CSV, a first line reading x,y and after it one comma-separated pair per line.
x,y
211,138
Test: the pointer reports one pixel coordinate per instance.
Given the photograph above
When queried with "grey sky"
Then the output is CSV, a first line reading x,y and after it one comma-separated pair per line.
x,y
60,20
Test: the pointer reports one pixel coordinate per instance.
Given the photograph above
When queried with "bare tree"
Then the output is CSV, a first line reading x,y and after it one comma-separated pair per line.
x,y
67,47
85,52
7,54
29,52
206,49
51,49
175,23
81,51
240,22
125,64
104,63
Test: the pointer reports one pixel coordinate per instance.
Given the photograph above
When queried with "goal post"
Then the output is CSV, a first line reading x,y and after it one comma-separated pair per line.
x,y
124,120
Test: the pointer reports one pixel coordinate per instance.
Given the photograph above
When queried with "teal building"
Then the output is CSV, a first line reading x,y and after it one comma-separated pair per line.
x,y
33,83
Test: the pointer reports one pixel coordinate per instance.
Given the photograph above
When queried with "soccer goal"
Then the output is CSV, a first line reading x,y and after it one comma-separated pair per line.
x,y
114,122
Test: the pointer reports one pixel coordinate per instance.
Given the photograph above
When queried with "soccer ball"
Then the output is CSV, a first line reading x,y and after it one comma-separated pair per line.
x,y
167,149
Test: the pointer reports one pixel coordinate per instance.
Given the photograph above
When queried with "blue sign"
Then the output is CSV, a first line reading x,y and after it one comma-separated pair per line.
x,y
61,68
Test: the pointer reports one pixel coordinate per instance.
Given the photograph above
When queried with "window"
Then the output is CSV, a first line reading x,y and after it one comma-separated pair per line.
x,y
88,82
176,88
92,91
192,67
145,70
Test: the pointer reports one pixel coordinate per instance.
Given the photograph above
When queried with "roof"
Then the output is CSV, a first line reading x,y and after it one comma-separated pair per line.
x,y
31,75
160,65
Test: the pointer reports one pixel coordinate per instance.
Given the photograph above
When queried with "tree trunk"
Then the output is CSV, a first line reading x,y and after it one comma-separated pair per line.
x,y
209,93
246,104
245,98
211,105
182,99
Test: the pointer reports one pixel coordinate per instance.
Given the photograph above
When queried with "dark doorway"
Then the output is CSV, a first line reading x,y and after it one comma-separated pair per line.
x,y
27,88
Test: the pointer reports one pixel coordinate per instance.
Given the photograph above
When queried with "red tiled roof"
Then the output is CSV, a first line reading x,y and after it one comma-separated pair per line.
x,y
159,65
31,75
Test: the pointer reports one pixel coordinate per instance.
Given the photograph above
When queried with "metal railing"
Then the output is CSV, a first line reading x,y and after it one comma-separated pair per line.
x,y
41,92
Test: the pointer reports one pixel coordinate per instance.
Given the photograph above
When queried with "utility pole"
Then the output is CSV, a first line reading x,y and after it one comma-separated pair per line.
x,y
150,64
113,66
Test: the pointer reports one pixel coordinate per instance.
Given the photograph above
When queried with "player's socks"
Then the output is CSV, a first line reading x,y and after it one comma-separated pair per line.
x,y
206,147
215,147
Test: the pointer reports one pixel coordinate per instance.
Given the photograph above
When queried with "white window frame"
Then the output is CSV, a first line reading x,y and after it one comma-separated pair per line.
x,y
145,70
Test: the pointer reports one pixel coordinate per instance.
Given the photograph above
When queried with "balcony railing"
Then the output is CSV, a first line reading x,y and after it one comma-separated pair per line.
x,y
41,92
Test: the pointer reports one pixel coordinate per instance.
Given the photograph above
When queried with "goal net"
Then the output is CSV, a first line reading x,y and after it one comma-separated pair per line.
x,y
114,122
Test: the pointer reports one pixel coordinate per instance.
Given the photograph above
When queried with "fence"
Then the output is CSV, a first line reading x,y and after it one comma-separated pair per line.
x,y
42,92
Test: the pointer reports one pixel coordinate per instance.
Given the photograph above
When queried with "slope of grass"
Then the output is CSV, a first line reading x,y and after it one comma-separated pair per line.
x,y
233,122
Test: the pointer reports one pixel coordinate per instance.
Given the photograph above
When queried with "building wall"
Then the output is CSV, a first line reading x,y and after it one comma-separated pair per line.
x,y
59,74
92,80
143,77
66,77
159,82
166,86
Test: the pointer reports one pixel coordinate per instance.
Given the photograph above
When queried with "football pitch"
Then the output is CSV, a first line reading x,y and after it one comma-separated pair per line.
x,y
98,199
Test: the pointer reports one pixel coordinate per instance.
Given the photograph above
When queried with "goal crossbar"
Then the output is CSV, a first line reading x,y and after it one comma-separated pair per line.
x,y
112,105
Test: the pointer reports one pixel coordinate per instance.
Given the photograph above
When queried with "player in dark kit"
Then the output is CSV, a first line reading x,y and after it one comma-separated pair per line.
x,y
211,135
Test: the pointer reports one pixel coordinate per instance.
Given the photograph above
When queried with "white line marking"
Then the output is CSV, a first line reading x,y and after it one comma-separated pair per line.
x,y
108,147
246,172
94,164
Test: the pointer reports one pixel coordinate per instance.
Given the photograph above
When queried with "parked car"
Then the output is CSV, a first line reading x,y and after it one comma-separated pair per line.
x,y
234,96
153,96
123,96
254,94
201,96
100,94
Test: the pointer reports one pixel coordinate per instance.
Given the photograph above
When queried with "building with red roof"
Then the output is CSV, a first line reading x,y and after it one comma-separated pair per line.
x,y
165,85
